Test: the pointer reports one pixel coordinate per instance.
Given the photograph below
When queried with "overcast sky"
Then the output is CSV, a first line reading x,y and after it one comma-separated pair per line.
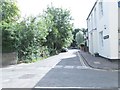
x,y
79,8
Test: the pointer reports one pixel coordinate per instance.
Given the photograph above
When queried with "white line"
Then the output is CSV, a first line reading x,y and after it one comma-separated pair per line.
x,y
110,88
69,67
58,66
73,87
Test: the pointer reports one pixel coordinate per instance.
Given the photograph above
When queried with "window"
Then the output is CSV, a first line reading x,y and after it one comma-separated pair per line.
x,y
118,30
95,18
119,42
119,4
88,23
91,21
101,8
101,38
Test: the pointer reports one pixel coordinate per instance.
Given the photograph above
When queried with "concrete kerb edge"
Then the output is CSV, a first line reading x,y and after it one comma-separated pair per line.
x,y
86,62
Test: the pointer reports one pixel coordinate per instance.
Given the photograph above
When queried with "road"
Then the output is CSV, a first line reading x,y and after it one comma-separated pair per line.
x,y
65,70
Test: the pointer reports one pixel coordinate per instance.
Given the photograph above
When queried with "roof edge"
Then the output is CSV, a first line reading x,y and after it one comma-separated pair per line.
x,y
92,9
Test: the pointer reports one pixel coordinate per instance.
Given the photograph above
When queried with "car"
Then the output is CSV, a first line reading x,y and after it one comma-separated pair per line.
x,y
64,50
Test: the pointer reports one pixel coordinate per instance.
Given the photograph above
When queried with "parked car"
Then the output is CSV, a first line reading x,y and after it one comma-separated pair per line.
x,y
64,50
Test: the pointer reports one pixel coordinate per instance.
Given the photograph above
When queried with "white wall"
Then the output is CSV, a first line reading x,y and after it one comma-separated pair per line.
x,y
108,23
103,25
113,29
119,17
93,42
119,32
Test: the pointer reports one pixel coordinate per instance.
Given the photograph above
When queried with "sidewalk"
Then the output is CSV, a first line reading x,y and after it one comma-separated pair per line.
x,y
99,62
27,75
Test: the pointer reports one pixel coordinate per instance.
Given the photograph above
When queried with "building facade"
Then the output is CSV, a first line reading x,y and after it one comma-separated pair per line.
x,y
103,23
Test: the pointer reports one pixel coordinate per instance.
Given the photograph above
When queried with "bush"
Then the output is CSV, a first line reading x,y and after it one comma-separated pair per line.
x,y
8,38
31,35
9,15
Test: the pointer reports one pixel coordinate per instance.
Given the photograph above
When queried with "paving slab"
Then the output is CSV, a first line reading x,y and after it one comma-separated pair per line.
x,y
99,62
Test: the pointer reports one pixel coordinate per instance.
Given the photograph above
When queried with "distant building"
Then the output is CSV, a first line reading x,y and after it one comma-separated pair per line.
x,y
103,23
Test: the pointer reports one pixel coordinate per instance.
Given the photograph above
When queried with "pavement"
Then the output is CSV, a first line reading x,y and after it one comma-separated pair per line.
x,y
27,75
99,62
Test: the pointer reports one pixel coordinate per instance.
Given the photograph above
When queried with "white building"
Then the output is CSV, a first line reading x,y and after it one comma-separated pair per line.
x,y
103,24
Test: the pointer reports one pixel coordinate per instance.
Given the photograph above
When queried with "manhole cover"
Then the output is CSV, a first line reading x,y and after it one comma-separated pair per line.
x,y
27,76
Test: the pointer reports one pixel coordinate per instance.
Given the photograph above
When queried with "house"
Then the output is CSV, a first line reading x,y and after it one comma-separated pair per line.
x,y
103,23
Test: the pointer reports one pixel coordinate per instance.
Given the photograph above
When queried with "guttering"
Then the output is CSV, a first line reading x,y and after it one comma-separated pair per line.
x,y
92,9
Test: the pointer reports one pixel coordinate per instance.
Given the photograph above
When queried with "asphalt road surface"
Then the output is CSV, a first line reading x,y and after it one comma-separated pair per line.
x,y
69,73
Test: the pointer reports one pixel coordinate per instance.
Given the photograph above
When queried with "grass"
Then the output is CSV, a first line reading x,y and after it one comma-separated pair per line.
x,y
33,60
38,58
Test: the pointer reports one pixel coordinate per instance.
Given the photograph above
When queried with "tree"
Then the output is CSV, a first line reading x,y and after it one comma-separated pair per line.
x,y
83,30
75,31
9,10
59,26
79,38
9,15
32,34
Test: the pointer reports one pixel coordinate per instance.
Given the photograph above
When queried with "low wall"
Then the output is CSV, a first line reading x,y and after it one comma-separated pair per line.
x,y
9,59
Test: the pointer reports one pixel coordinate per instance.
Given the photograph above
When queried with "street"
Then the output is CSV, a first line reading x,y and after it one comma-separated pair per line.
x,y
65,70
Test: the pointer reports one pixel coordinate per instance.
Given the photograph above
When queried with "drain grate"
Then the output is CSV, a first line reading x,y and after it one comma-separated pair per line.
x,y
27,76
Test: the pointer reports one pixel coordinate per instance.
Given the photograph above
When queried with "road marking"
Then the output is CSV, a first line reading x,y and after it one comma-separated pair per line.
x,y
90,88
58,66
82,67
78,67
69,67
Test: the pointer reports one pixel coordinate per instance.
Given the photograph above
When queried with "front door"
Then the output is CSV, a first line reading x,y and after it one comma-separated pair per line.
x,y
91,43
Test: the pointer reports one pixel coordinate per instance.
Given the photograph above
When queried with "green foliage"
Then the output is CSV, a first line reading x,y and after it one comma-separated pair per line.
x,y
75,32
8,37
9,10
9,15
74,43
59,29
32,34
34,37
79,38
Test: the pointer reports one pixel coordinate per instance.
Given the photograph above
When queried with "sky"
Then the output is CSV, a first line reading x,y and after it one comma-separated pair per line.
x,y
79,8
